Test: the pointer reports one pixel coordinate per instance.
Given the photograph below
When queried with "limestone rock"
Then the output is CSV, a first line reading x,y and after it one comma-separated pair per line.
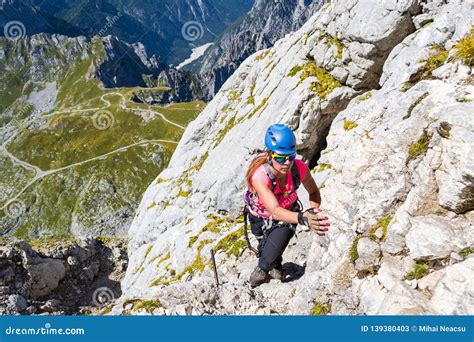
x,y
45,276
17,302
395,168
453,294
369,253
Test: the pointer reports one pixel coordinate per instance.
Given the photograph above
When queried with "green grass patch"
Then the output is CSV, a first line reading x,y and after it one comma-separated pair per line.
x,y
364,97
418,148
433,62
332,41
233,243
325,82
148,251
296,69
152,205
465,49
353,254
183,193
382,223
148,305
323,166
222,133
263,55
261,106
420,270
251,99
466,251
320,309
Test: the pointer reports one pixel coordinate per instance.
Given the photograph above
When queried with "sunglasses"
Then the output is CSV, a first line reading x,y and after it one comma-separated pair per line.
x,y
282,159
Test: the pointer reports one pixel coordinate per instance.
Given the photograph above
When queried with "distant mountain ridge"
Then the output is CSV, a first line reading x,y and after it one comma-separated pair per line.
x,y
258,29
158,25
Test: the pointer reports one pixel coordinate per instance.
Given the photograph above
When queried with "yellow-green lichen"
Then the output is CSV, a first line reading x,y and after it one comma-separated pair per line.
x,y
331,40
270,71
235,95
222,133
233,243
418,148
200,162
465,49
420,270
353,253
431,63
183,193
382,223
148,305
296,69
251,99
214,226
152,205
263,55
323,166
466,251
320,309
260,106
364,97
106,310
348,125
325,84
414,104
148,250
163,258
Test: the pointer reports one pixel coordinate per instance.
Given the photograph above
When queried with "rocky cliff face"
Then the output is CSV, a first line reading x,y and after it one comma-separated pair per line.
x,y
259,29
380,96
58,278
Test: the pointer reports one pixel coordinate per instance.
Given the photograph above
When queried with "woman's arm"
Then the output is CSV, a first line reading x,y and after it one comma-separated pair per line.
x,y
271,204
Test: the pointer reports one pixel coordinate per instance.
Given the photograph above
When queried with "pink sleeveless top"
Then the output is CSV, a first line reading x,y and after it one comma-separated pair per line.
x,y
286,197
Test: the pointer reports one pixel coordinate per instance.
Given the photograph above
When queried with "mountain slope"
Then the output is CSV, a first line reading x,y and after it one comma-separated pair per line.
x,y
258,29
35,20
159,25
76,156
380,98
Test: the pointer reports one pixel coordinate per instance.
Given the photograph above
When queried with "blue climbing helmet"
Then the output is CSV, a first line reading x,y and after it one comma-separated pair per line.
x,y
280,139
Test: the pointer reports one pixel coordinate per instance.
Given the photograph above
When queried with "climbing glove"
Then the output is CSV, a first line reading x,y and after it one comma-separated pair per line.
x,y
313,220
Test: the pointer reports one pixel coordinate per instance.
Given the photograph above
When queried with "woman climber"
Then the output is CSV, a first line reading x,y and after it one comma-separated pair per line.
x,y
272,205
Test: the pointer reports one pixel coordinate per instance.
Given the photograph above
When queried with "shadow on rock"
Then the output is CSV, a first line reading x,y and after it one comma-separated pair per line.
x,y
293,271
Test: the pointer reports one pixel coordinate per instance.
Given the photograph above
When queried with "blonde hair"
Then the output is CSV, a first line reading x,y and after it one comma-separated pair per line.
x,y
254,165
